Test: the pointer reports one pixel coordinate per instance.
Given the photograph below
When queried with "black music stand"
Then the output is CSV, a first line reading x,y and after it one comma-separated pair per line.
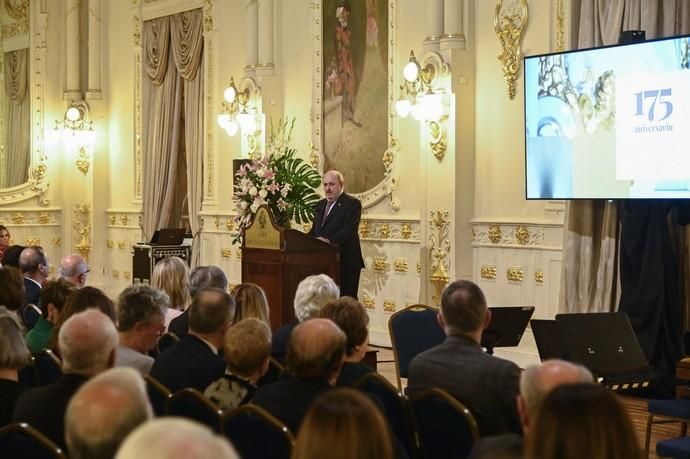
x,y
549,339
506,327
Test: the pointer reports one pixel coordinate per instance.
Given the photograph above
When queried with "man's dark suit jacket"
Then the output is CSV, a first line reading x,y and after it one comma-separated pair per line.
x,y
341,227
289,399
280,339
487,385
188,363
180,324
44,407
33,292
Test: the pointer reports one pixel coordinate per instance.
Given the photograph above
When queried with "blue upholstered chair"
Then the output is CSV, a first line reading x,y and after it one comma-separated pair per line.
x,y
256,434
158,394
192,404
19,440
674,410
48,367
677,448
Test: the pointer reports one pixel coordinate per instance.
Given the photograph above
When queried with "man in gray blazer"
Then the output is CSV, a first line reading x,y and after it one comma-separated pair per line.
x,y
487,385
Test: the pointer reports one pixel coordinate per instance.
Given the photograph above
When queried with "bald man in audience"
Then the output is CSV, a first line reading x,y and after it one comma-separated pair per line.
x,y
87,342
104,411
195,360
175,438
74,268
536,382
315,354
487,385
33,263
200,278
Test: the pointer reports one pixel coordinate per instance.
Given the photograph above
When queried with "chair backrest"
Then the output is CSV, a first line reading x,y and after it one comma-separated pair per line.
x,y
28,376
275,369
166,340
256,434
48,367
20,440
445,427
192,404
413,330
158,394
30,315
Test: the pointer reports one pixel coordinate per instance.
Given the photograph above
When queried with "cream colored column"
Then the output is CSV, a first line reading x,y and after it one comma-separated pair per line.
x,y
73,86
453,24
265,38
252,36
93,91
434,24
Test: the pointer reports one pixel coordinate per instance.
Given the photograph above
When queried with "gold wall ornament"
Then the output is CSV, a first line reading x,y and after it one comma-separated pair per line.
x,y
515,274
82,161
389,306
406,230
226,252
32,241
127,275
110,244
368,303
400,266
230,225
136,33
56,241
17,9
439,248
510,23
439,138
43,218
14,29
495,234
539,276
124,219
380,265
239,253
384,231
313,156
116,273
112,219
560,26
364,229
522,235
419,268
121,245
488,272
208,15
18,218
82,228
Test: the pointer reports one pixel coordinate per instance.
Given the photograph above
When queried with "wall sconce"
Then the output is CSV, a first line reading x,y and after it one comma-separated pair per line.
x,y
241,110
417,95
75,123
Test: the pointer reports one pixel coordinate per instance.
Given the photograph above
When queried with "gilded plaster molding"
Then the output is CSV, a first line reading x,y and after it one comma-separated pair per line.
x,y
55,241
539,276
400,266
515,274
368,303
508,235
510,23
130,219
30,217
439,250
32,241
226,252
560,26
389,306
82,161
380,265
389,230
138,106
488,272
17,9
82,229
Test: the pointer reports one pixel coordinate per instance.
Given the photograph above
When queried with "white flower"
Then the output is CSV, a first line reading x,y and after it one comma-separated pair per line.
x,y
244,205
263,193
253,191
255,206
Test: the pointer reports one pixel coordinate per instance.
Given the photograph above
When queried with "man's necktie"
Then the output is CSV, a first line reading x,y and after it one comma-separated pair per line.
x,y
326,211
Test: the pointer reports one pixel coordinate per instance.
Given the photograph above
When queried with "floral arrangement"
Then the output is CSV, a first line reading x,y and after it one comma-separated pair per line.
x,y
279,179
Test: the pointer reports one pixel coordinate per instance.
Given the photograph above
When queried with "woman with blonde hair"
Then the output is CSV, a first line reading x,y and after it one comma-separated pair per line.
x,y
343,424
171,275
250,301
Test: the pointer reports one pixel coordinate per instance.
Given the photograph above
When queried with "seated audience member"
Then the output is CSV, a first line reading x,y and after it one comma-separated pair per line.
x,y
13,356
33,263
199,278
247,352
74,269
314,357
81,300
353,320
582,420
104,411
535,384
311,295
343,424
487,385
175,438
194,361
88,341
4,242
12,292
250,301
12,256
171,275
53,298
140,321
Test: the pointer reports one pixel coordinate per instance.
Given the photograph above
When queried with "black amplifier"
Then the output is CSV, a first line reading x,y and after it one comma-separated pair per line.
x,y
146,256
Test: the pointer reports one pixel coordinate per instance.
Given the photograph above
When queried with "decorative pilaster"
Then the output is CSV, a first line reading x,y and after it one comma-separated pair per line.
x,y
434,24
72,40
265,38
453,24
251,42
93,91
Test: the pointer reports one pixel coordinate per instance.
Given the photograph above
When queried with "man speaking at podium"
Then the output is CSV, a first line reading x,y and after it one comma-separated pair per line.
x,y
336,220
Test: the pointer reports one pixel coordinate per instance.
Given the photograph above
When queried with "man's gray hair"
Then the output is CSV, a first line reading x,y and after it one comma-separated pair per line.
x,y
87,340
140,303
312,294
175,438
206,277
104,411
535,385
72,266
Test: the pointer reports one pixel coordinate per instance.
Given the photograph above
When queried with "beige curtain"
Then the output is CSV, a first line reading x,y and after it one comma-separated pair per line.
x,y
18,116
173,90
590,257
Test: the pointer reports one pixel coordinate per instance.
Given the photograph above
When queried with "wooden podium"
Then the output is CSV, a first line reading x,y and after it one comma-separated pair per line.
x,y
277,259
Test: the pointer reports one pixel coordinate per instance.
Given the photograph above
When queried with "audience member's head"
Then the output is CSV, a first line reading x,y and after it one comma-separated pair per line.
x,y
141,316
4,238
343,424
12,254
353,320
34,263
206,277
175,438
538,380
14,354
87,342
74,268
12,294
54,296
463,309
210,314
104,411
248,348
316,349
81,300
171,275
582,420
250,301
312,293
